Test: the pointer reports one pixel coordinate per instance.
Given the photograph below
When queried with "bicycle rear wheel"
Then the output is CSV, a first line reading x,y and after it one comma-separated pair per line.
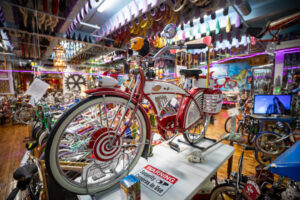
x,y
90,159
195,134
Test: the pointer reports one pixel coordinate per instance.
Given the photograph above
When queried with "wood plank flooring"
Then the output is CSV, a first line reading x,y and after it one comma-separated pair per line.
x,y
215,131
12,150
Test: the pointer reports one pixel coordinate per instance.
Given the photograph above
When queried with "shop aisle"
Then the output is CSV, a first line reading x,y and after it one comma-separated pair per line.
x,y
13,149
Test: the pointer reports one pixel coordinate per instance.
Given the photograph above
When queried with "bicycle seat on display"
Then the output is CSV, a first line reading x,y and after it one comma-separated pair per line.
x,y
257,32
190,73
25,172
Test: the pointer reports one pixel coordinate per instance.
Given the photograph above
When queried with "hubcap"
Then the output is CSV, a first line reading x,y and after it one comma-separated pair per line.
x,y
101,146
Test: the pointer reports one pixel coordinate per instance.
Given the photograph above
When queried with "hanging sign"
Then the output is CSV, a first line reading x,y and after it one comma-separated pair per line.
x,y
37,89
156,180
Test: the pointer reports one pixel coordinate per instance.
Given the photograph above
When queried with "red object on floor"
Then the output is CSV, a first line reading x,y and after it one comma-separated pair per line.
x,y
201,197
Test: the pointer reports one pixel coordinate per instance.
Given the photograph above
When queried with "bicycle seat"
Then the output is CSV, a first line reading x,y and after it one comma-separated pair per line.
x,y
190,73
25,172
258,32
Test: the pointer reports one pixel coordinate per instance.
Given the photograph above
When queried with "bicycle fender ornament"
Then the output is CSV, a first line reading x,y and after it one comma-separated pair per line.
x,y
101,147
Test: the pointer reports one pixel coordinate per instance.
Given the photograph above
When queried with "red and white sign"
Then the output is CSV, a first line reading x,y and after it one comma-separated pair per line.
x,y
251,190
156,180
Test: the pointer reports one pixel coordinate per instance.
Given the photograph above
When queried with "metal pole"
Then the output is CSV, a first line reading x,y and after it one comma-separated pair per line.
x,y
208,67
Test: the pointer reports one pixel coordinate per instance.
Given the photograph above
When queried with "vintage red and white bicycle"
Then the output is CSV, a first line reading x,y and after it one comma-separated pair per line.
x,y
121,132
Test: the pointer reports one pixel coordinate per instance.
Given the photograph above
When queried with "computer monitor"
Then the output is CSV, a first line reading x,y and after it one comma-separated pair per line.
x,y
272,104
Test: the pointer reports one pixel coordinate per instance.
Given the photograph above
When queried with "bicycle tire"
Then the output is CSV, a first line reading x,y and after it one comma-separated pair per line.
x,y
52,163
179,6
202,127
229,190
263,147
240,129
226,125
254,129
250,138
262,159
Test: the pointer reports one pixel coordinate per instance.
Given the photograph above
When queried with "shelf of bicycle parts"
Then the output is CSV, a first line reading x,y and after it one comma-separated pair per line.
x,y
189,176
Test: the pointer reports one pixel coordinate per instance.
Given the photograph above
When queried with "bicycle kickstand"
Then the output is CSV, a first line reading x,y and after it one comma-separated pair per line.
x,y
172,144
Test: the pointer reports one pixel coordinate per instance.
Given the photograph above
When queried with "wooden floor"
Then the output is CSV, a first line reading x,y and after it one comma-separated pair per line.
x,y
215,131
12,150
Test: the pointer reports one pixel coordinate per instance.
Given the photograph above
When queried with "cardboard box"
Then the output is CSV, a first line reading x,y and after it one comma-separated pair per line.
x,y
131,186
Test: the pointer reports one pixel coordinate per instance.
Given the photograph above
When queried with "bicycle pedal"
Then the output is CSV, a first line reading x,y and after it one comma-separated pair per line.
x,y
174,146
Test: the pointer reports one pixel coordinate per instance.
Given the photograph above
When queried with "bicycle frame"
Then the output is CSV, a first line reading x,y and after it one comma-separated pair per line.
x,y
149,89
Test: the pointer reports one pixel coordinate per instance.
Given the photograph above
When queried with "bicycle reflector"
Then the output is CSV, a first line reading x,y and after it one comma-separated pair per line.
x,y
212,101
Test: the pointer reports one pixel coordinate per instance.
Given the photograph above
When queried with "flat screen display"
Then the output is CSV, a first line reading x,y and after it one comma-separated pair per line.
x,y
272,104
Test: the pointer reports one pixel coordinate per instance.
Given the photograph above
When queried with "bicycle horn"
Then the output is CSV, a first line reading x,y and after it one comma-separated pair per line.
x,y
170,31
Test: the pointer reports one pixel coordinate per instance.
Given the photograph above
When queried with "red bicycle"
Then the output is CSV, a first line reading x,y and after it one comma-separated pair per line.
x,y
109,151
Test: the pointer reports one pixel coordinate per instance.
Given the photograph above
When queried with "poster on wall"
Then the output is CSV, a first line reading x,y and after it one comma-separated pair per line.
x,y
232,76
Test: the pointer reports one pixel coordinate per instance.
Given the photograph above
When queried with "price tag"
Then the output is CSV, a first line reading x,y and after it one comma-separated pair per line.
x,y
174,102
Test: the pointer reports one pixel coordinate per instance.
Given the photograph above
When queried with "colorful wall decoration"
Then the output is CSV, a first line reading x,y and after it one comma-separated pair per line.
x,y
232,76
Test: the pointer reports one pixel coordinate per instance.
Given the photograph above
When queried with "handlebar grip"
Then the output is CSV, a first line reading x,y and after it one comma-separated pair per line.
x,y
13,194
249,148
196,46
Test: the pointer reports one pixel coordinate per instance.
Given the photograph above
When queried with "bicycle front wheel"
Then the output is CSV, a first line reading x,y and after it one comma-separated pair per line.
x,y
225,191
86,152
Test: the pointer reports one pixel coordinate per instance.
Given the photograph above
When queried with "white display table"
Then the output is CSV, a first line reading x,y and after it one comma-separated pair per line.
x,y
190,175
